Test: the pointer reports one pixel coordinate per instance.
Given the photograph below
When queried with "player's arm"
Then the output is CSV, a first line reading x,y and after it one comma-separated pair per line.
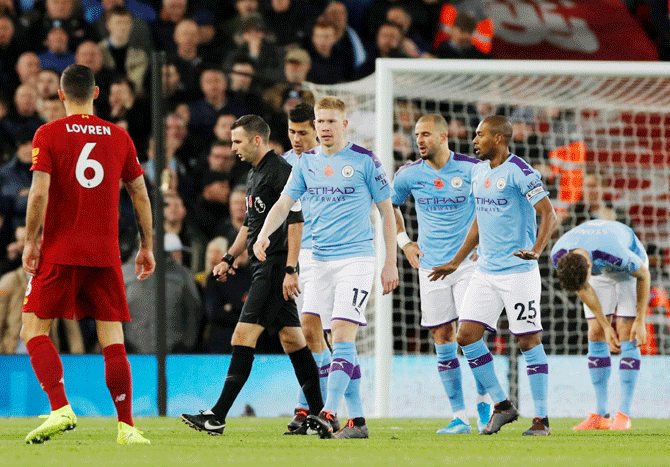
x,y
38,197
639,331
390,269
290,286
274,219
410,248
229,261
548,224
471,241
588,295
144,261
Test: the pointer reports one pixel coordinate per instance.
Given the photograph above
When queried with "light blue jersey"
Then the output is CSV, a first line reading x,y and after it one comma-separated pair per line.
x,y
504,200
444,205
292,158
341,190
613,247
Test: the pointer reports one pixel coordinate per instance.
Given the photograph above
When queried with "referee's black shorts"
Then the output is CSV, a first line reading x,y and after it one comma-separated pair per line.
x,y
265,304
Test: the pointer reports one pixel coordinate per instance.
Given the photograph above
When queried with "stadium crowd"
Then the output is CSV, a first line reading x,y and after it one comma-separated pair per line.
x,y
225,59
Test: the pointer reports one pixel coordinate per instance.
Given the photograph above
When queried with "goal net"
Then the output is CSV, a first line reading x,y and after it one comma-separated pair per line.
x,y
599,132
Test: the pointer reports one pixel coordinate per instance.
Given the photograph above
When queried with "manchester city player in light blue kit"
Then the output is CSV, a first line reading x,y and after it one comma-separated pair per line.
x,y
302,134
445,209
343,180
607,266
508,194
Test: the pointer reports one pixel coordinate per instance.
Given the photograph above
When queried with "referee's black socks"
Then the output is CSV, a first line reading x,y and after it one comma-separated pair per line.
x,y
308,376
238,373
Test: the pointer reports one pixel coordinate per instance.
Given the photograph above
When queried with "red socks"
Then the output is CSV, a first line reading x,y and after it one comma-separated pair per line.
x,y
49,369
118,379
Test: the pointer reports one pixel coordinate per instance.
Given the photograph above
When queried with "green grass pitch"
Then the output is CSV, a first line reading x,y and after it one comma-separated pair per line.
x,y
393,442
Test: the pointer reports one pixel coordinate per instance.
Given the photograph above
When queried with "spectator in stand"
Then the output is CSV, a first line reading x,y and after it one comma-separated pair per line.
x,y
237,210
52,108
23,116
57,56
212,203
118,54
297,64
174,89
223,301
216,101
243,8
186,58
184,308
89,54
60,14
222,131
27,68
254,42
126,106
140,35
212,45
328,67
176,222
243,85
48,83
412,45
12,44
482,36
387,45
460,137
460,44
348,43
171,13
15,179
286,21
424,19
528,145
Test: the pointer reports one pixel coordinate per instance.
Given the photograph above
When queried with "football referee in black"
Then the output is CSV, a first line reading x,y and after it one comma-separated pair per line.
x,y
270,303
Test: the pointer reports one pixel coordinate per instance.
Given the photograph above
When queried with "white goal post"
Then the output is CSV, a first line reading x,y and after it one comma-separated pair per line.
x,y
618,113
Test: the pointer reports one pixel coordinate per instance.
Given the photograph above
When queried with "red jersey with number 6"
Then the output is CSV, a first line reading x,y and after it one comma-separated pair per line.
x,y
86,157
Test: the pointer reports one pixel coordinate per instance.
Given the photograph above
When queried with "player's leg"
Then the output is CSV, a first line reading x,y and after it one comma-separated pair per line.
x,y
484,402
50,294
598,356
304,365
521,294
629,365
103,297
438,312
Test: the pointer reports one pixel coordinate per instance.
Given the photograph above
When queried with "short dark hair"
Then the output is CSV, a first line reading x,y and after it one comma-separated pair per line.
x,y
78,83
572,270
253,125
120,10
465,22
302,113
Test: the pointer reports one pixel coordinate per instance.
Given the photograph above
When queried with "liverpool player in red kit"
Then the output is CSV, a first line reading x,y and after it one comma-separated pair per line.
x,y
77,164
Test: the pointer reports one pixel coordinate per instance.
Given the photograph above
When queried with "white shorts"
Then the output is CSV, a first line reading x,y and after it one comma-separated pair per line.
x,y
343,288
616,296
441,300
518,293
305,301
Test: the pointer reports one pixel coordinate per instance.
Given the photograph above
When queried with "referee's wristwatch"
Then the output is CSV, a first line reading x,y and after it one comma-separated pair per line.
x,y
292,269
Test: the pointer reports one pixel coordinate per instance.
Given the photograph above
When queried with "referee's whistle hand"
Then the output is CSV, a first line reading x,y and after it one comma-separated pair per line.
x,y
259,248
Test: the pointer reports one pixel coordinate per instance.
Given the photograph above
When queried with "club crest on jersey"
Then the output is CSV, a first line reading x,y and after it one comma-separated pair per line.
x,y
439,183
259,205
457,182
501,183
348,171
328,170
487,183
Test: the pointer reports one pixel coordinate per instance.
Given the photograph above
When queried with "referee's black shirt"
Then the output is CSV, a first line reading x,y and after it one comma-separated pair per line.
x,y
265,183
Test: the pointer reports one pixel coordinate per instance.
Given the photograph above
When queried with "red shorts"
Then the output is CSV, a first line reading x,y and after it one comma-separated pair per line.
x,y
61,291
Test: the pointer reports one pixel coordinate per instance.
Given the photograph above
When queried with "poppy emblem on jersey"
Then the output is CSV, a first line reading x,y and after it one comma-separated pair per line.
x,y
259,205
457,182
501,183
439,183
328,170
487,183
347,171
249,201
